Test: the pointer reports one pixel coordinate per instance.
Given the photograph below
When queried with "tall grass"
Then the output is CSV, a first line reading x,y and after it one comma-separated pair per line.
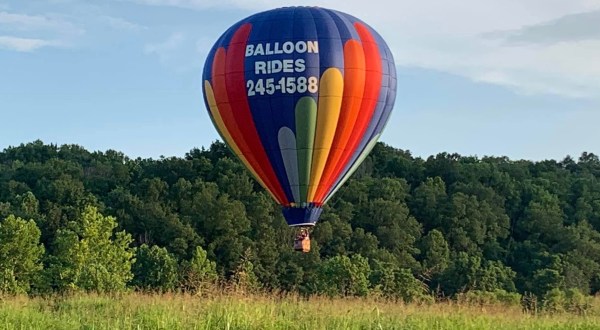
x,y
232,311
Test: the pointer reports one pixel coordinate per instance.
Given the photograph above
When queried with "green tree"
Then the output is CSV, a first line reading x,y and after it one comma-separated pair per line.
x,y
462,274
494,276
429,201
269,233
244,279
224,224
546,280
543,218
90,256
484,219
290,274
435,252
397,283
390,221
199,273
344,276
155,269
554,300
20,254
334,235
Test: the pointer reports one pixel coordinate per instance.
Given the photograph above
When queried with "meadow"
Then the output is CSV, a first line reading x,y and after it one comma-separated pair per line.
x,y
235,311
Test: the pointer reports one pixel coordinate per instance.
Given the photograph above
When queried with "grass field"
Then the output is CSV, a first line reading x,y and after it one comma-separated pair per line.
x,y
170,311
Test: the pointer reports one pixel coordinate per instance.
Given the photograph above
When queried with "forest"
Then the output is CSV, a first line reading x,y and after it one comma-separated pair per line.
x,y
402,228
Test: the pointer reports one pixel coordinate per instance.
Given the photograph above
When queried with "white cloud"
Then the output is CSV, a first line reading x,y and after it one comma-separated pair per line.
x,y
574,27
533,46
565,68
122,24
178,52
21,22
165,49
466,15
204,4
27,33
25,44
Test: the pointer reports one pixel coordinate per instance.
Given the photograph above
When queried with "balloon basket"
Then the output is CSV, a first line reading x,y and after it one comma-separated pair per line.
x,y
302,240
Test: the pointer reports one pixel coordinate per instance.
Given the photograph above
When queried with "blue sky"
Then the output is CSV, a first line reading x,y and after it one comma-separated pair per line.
x,y
504,78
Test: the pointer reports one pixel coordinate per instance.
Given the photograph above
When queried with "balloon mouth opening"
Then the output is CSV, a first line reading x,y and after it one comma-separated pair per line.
x,y
302,216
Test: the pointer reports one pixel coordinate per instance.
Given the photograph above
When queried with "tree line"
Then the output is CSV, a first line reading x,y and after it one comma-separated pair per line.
x,y
402,227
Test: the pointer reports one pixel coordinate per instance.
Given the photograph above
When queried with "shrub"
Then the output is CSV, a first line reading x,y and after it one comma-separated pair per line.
x,y
89,256
343,276
199,273
20,253
554,301
155,269
499,296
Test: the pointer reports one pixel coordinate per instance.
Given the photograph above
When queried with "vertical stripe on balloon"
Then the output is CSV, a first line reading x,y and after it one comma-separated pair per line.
x,y
354,84
380,115
331,89
270,112
354,167
236,90
222,128
287,145
306,123
226,112
373,70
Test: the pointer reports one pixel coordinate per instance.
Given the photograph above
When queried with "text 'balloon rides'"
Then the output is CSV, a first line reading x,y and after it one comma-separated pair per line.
x,y
301,95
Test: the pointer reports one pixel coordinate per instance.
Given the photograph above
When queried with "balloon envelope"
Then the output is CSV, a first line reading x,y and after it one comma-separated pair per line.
x,y
301,95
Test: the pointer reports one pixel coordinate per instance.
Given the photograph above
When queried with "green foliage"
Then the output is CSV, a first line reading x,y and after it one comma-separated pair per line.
x,y
448,224
461,275
546,280
199,273
577,302
554,301
155,269
344,276
494,275
244,279
20,254
470,273
496,297
90,256
397,283
436,254
571,300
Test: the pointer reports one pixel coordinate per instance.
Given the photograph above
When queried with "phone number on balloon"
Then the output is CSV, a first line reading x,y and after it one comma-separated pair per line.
x,y
285,85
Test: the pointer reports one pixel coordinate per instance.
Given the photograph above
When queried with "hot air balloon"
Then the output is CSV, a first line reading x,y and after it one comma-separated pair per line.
x,y
301,96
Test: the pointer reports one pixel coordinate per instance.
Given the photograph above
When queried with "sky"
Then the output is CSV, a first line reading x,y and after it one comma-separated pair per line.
x,y
516,78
